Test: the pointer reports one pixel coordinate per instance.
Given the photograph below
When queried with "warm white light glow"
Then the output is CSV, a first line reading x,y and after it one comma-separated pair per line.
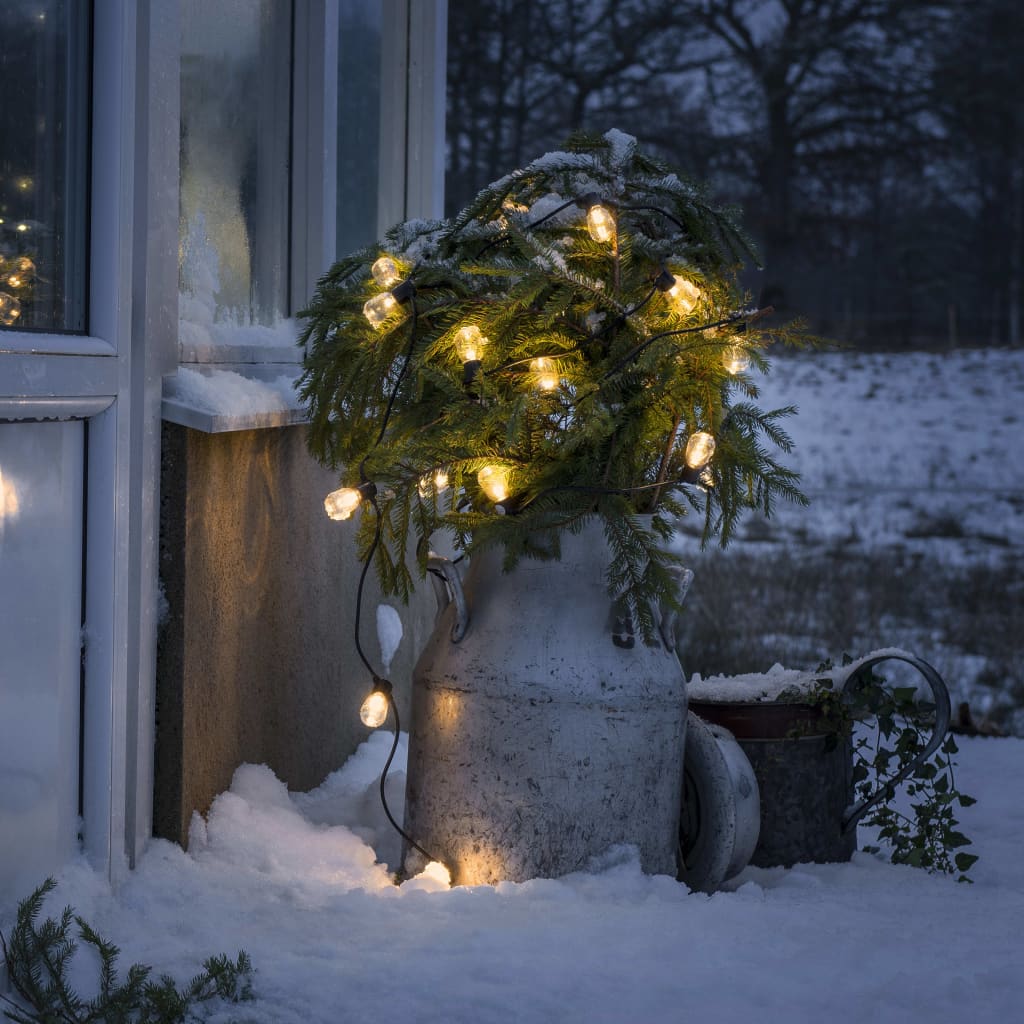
x,y
340,504
699,450
736,359
433,483
379,308
22,227
544,374
493,481
10,309
385,272
469,343
374,710
24,264
684,295
8,499
600,223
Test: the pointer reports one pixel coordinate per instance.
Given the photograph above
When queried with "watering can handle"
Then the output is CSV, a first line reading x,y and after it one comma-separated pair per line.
x,y
684,577
857,811
448,588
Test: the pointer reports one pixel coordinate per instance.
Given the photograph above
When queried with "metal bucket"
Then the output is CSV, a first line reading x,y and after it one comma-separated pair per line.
x,y
539,736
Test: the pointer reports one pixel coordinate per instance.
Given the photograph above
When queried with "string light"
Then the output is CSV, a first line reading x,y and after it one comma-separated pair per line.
x,y
385,272
378,308
433,483
469,345
493,481
10,309
600,223
374,710
340,504
699,449
684,295
544,374
736,359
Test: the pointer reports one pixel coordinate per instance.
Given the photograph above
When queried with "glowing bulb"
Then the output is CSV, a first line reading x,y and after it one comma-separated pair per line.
x,y
433,483
469,343
24,184
14,281
24,264
600,223
22,227
374,710
544,374
8,500
736,359
379,308
385,272
493,481
684,295
699,450
10,309
340,504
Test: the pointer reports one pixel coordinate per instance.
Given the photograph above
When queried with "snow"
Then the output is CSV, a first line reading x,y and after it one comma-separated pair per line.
x,y
389,634
919,451
288,878
231,394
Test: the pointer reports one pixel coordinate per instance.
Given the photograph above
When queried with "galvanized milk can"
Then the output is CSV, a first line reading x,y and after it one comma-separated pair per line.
x,y
541,735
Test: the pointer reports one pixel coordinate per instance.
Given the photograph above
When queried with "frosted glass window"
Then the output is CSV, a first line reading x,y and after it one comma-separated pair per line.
x,y
44,82
359,73
235,138
40,649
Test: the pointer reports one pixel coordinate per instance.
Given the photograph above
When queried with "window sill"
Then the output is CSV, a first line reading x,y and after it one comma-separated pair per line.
x,y
223,388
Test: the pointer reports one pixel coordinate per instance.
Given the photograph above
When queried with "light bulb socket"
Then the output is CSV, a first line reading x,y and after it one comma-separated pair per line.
x,y
664,281
470,372
403,292
381,685
585,202
368,489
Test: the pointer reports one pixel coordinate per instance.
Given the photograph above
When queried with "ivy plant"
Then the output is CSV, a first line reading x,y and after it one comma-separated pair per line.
x,y
928,836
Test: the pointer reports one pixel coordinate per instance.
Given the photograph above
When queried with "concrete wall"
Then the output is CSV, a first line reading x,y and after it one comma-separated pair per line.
x,y
255,659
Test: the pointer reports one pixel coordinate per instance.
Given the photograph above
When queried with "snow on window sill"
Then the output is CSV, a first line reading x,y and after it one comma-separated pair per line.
x,y
234,379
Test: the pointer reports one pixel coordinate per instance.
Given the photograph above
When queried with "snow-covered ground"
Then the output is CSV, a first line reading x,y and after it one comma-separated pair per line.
x,y
915,451
333,940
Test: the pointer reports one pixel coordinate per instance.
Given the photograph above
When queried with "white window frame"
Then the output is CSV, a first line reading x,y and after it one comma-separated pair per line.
x,y
112,377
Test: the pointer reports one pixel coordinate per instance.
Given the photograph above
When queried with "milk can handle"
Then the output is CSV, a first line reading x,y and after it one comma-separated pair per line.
x,y
684,577
856,811
448,588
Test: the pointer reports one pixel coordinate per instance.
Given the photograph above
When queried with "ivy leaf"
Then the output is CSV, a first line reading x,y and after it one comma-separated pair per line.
x,y
964,861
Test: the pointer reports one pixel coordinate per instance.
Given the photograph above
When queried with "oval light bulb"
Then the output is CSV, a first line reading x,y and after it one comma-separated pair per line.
x,y
385,272
10,309
469,343
544,375
736,359
493,481
600,223
379,308
340,504
374,710
684,295
25,265
699,450
432,483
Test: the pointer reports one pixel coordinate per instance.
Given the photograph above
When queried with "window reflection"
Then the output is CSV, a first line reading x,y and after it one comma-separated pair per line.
x,y
359,79
44,71
235,123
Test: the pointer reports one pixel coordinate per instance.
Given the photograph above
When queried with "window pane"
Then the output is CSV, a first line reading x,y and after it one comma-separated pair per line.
x,y
235,128
41,485
359,73
44,81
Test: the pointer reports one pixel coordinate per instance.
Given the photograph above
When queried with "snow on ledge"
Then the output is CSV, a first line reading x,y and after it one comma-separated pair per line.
x,y
778,683
217,401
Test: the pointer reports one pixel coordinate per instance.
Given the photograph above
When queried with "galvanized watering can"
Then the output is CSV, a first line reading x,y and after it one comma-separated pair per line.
x,y
542,733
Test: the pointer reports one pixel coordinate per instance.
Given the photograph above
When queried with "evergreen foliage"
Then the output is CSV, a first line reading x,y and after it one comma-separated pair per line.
x,y
635,374
37,958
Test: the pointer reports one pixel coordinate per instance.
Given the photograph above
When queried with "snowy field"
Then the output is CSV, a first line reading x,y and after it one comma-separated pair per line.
x,y
920,455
